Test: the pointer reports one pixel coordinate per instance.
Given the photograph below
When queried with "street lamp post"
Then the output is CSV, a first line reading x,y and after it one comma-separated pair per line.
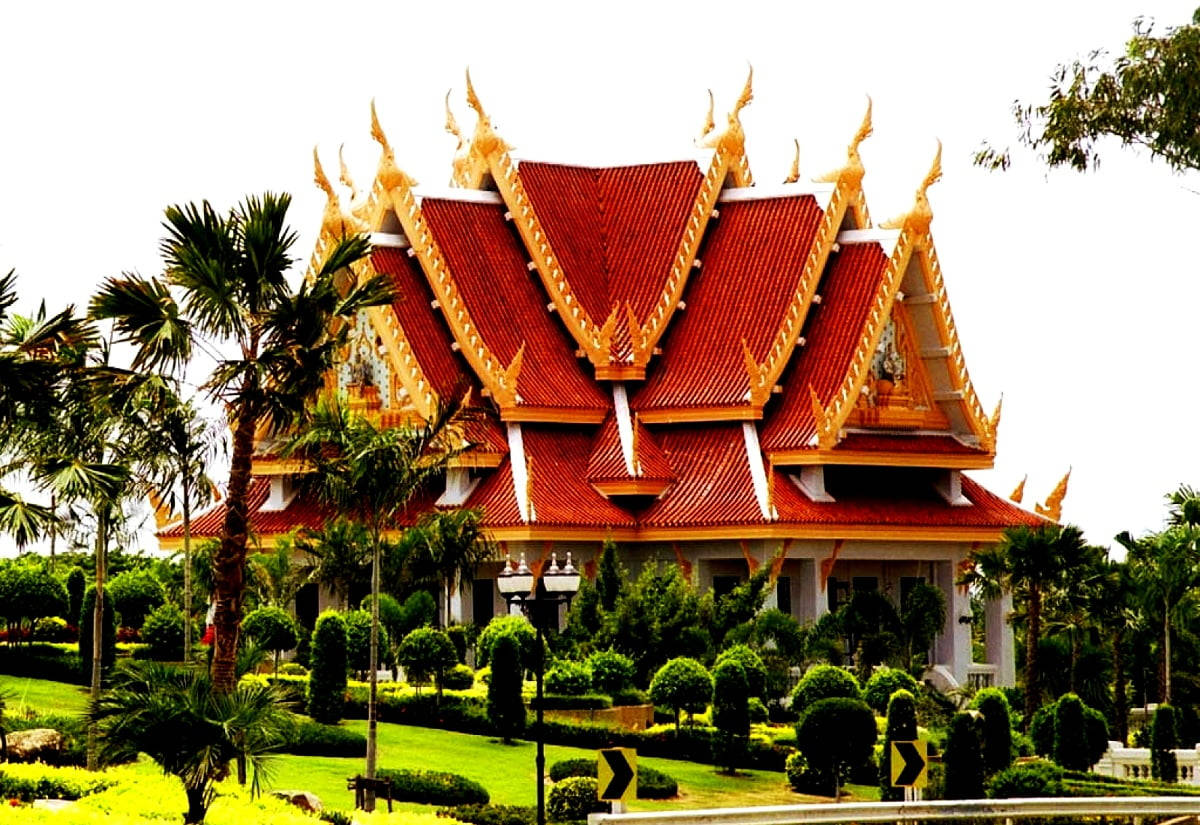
x,y
539,599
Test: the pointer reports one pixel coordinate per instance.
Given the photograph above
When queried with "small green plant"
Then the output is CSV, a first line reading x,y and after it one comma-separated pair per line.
x,y
612,672
163,633
434,787
1026,781
573,799
731,714
327,679
823,682
459,677
569,679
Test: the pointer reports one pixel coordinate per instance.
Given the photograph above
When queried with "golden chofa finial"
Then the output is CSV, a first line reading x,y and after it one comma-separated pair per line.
x,y
486,141
389,175
344,174
919,217
733,139
709,123
1018,493
854,165
794,173
334,220
1052,509
452,124
992,426
320,178
745,97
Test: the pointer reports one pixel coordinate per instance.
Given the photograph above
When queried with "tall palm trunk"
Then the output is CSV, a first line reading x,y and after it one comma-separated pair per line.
x,y
1075,644
53,529
230,560
187,569
1120,703
1166,652
93,746
1032,632
373,679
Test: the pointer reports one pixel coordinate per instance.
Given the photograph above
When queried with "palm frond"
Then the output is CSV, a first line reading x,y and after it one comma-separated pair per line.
x,y
146,315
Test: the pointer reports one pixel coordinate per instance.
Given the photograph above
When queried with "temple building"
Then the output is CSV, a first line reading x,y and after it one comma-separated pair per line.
x,y
714,373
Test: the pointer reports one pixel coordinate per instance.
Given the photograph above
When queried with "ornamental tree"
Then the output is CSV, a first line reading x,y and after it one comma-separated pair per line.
x,y
505,705
731,713
681,684
426,653
752,665
964,759
836,735
327,669
273,628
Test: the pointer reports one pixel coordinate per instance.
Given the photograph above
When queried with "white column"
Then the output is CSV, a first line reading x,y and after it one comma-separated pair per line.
x,y
999,636
814,602
953,647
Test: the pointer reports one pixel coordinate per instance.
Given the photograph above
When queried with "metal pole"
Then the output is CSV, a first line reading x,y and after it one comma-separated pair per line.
x,y
541,747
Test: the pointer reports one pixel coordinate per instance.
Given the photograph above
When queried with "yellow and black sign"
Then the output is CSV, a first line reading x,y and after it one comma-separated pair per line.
x,y
616,774
910,764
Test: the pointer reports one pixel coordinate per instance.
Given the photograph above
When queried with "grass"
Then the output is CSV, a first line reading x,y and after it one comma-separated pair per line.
x,y
508,772
25,694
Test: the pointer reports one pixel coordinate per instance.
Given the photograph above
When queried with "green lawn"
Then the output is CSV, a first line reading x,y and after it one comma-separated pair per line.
x,y
24,694
507,771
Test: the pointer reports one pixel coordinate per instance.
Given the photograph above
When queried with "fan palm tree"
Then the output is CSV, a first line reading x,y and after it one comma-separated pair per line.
x,y
370,474
226,287
178,718
447,546
277,577
1029,562
1074,608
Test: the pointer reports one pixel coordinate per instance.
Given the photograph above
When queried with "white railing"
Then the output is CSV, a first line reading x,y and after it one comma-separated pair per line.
x,y
1134,763
1127,806
981,675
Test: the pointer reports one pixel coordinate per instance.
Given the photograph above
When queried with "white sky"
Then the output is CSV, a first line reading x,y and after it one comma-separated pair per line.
x,y
1074,295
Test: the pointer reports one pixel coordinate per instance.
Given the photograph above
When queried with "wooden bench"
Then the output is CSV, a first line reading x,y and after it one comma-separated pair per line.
x,y
360,785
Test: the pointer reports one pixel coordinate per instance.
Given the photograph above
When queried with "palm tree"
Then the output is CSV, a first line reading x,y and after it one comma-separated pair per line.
x,y
1029,562
449,546
226,286
1074,608
277,578
178,718
370,474
339,553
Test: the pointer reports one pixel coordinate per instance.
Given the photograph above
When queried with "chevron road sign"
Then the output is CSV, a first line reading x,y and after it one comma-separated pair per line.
x,y
909,764
616,774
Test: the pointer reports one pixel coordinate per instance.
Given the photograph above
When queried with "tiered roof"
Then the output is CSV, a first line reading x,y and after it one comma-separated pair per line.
x,y
661,351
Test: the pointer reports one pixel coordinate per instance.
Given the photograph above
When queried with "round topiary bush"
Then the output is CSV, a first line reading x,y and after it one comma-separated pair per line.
x,y
997,729
1027,780
574,798
426,653
836,736
752,665
681,684
505,705
651,783
358,641
108,641
823,682
759,715
273,628
135,593
517,626
327,677
883,683
51,629
795,767
612,672
459,677
163,633
434,787
569,679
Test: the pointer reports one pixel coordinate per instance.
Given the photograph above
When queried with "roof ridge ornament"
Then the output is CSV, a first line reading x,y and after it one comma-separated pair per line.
x,y
485,140
993,427
709,123
854,165
826,435
459,174
793,175
1052,509
1018,493
335,220
920,216
390,176
732,141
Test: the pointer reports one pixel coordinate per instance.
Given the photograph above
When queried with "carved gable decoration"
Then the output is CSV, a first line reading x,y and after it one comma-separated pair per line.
x,y
897,393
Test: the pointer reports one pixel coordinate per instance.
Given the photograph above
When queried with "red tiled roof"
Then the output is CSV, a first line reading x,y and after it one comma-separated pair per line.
x,y
905,443
832,334
427,333
752,263
486,433
508,306
302,511
615,230
607,459
714,485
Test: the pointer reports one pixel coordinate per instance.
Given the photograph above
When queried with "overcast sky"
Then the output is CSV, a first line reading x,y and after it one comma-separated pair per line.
x,y
1075,295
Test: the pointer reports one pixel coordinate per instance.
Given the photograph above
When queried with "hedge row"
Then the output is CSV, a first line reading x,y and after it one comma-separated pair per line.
x,y
43,661
434,787
491,814
314,739
583,701
651,783
467,714
37,781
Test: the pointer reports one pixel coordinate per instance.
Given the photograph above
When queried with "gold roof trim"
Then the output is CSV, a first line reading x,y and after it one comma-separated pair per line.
x,y
853,170
920,216
793,174
1018,493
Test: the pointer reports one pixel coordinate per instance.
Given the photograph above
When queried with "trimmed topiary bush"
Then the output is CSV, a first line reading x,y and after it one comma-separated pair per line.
x,y
883,683
135,594
1027,780
76,585
1097,734
491,814
425,654
1070,734
573,799
612,672
963,760
731,714
795,768
434,787
314,739
517,626
273,628
823,682
836,735
569,679
681,684
651,783
1041,730
752,665
358,641
505,706
459,677
997,729
901,727
759,715
1164,738
327,677
163,633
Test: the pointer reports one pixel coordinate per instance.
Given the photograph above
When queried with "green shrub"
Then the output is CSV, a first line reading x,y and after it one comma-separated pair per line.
x,y
314,739
1070,734
901,727
418,610
612,672
38,781
327,679
459,677
823,682
997,729
135,593
681,684
752,665
963,759
358,641
588,701
836,735
425,654
293,669
491,814
573,799
517,626
51,629
651,783
1164,738
1041,730
569,678
29,592
759,715
273,628
434,787
1097,734
76,585
463,636
505,706
1027,780
630,696
162,632
883,683
73,729
108,643
794,767
731,713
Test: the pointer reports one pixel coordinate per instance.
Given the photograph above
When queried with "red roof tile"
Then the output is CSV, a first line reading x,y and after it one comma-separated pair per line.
x,y
752,264
302,511
615,230
607,459
832,332
905,443
714,485
508,306
425,329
